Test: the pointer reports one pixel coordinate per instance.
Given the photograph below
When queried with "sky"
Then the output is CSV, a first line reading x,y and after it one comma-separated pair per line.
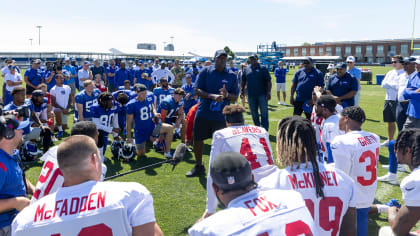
x,y
201,26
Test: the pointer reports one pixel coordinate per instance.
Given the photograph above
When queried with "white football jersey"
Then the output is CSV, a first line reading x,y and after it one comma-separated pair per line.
x,y
260,212
111,208
329,129
357,154
410,188
339,193
251,141
50,178
316,123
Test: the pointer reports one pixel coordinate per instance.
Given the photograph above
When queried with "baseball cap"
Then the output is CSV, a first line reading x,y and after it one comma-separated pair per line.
x,y
86,63
149,61
188,75
253,56
37,92
73,59
327,101
351,59
139,87
231,171
141,62
220,53
36,61
163,62
341,65
418,61
330,66
309,59
409,60
66,59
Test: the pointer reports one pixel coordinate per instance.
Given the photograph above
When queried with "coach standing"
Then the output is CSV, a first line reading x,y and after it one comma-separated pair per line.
x,y
258,80
357,73
412,93
304,82
342,86
216,87
33,77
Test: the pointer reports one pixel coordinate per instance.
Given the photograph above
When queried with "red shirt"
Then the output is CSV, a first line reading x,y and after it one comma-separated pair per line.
x,y
101,87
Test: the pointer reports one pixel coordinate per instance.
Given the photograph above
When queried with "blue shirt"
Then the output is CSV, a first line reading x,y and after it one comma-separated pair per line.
x,y
110,79
211,80
195,72
122,75
256,80
11,184
34,76
11,107
105,116
233,69
87,102
412,96
142,113
130,94
341,86
190,101
170,106
38,109
72,71
132,72
122,88
161,94
356,72
305,83
280,74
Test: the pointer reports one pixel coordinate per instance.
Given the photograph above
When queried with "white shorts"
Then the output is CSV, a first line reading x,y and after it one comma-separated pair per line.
x,y
64,117
281,86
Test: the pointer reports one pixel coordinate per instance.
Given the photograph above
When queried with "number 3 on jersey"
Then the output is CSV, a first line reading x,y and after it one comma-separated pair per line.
x,y
373,160
251,157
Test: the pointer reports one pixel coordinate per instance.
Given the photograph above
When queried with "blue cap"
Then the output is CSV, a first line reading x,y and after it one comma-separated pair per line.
x,y
86,63
141,62
309,59
220,53
149,61
341,65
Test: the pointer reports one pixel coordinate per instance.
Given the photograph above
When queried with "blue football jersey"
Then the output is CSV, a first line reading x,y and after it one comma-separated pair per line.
x,y
106,117
38,109
142,112
190,101
87,102
169,105
161,94
130,94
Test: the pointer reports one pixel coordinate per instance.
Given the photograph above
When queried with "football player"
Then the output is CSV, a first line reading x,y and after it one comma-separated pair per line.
x,y
404,219
51,178
85,99
163,91
85,206
105,116
141,111
251,210
251,141
357,153
172,112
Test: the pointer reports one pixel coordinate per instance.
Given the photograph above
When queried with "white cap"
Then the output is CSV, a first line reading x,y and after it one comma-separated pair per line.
x,y
330,66
418,60
67,59
351,59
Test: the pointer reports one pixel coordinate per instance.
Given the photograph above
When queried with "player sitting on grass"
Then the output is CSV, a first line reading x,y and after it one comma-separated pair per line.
x,y
251,210
85,206
403,220
172,112
357,153
141,111
251,141
163,91
328,192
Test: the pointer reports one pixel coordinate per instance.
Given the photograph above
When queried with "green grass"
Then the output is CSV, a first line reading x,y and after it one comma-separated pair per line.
x,y
180,201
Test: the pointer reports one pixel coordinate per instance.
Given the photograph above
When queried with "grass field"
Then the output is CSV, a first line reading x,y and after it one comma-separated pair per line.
x,y
180,201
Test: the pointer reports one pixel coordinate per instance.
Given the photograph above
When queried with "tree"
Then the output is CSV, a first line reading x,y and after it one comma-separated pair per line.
x,y
306,44
230,53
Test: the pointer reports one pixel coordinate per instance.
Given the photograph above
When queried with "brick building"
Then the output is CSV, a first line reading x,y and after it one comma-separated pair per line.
x,y
371,51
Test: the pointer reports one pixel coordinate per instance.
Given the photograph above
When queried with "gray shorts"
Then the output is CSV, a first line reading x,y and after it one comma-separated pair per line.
x,y
64,117
389,112
73,87
141,146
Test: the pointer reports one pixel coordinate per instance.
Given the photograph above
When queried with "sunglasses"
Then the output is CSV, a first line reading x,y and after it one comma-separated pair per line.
x,y
349,62
395,62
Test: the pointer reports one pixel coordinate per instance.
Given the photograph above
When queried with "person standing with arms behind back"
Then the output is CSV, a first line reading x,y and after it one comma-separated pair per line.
x,y
304,82
280,74
216,87
257,78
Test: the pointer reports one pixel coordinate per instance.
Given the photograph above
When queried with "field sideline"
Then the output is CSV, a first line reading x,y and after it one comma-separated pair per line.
x,y
180,201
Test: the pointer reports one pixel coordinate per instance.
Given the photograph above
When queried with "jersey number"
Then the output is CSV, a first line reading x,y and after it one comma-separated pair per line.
x,y
324,213
146,112
107,120
298,228
251,157
369,168
99,229
50,166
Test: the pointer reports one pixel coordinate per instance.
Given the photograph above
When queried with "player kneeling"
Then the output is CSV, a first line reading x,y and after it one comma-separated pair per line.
x,y
251,210
249,140
142,111
328,193
84,205
404,219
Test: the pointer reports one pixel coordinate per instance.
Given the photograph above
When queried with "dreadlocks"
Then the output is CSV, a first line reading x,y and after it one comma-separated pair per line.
x,y
103,99
409,138
296,142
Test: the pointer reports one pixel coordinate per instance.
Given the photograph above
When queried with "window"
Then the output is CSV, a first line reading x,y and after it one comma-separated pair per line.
x,y
338,51
392,49
287,51
380,60
370,59
321,51
404,48
416,52
303,51
348,50
380,49
358,49
328,51
295,52
368,49
312,51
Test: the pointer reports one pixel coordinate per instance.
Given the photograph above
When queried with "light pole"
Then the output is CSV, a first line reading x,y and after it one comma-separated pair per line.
x,y
31,41
39,34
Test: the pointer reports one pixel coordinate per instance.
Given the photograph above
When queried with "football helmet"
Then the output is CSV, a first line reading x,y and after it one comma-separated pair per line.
x,y
115,149
128,151
29,151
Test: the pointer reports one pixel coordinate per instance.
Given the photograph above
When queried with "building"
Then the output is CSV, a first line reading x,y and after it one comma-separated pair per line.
x,y
146,46
370,51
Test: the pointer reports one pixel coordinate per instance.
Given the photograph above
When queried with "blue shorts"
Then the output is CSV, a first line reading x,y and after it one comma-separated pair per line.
x,y
142,135
362,221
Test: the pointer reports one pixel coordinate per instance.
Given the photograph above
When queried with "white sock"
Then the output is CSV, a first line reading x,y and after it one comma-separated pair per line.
x,y
382,208
101,151
60,128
